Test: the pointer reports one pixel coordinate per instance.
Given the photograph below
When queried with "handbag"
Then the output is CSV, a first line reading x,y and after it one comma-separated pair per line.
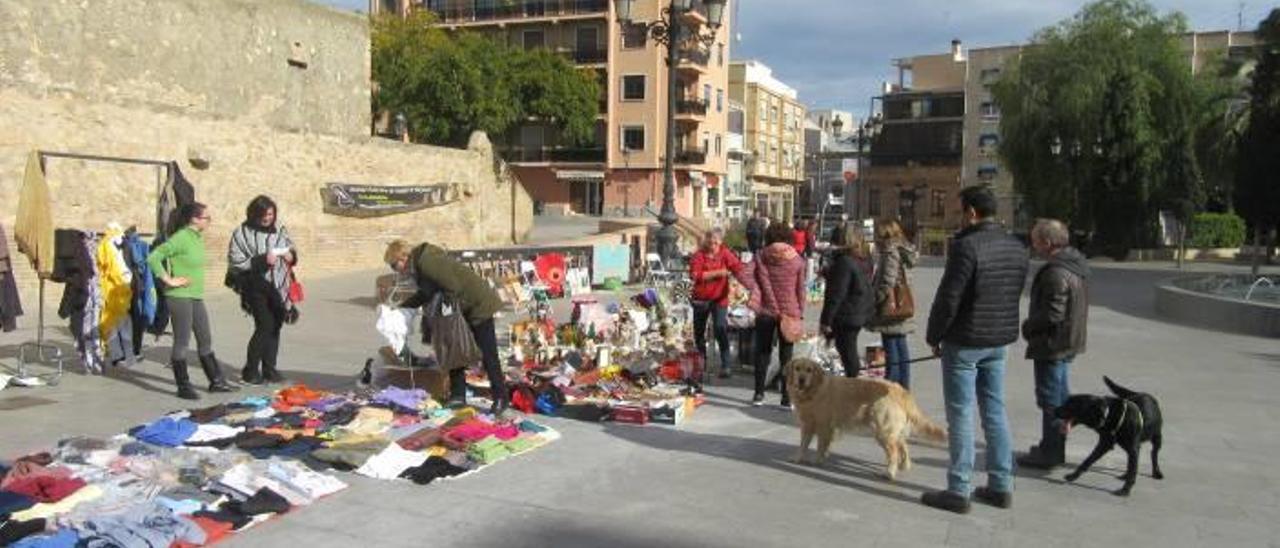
x,y
451,336
792,328
296,294
900,305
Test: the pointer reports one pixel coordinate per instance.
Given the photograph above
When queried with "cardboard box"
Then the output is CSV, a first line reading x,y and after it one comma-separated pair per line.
x,y
630,414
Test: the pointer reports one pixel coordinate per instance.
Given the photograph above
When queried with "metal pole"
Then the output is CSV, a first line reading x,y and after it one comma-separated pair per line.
x,y
667,234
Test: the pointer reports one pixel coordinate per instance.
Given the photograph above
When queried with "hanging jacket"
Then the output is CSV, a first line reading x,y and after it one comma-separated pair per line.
x,y
144,282
177,192
34,229
10,302
775,278
114,279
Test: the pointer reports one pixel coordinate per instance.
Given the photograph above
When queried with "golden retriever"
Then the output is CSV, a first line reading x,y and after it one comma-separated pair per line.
x,y
825,405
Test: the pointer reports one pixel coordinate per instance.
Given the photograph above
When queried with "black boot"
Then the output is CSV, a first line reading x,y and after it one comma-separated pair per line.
x,y
271,375
250,374
457,388
213,372
180,378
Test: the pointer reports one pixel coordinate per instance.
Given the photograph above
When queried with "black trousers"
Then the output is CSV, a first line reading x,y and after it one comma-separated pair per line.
x,y
847,346
769,330
268,319
486,337
702,311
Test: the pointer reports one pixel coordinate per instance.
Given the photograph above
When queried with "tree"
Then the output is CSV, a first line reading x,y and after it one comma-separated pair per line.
x,y
1257,188
1091,111
448,85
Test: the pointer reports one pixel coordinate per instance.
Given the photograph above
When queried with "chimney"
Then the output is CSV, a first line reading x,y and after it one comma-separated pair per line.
x,y
957,52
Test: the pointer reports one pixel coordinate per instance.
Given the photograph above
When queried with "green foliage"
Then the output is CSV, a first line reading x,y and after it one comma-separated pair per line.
x,y
1111,90
1212,230
449,85
735,236
1257,184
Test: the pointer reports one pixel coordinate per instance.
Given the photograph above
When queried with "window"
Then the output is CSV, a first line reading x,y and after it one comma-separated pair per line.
x,y
719,145
706,93
720,55
633,88
588,41
719,100
633,138
939,203
764,150
634,36
706,142
873,202
764,111
987,172
990,110
989,76
987,143
773,114
534,39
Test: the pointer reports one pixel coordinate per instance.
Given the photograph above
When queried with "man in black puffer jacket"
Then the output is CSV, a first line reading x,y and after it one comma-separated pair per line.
x,y
1055,330
974,316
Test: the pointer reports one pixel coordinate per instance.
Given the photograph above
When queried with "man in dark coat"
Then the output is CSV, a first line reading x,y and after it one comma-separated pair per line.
x,y
436,271
974,316
1055,330
755,232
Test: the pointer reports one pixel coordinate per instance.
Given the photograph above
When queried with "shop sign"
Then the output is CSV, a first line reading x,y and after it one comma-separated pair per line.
x,y
375,201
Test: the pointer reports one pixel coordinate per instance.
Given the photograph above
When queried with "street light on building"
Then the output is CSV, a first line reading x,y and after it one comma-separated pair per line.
x,y
667,32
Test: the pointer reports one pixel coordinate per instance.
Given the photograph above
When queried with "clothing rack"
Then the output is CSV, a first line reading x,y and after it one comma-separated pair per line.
x,y
43,352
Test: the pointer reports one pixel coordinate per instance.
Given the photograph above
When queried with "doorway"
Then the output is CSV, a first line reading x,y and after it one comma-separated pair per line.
x,y
587,196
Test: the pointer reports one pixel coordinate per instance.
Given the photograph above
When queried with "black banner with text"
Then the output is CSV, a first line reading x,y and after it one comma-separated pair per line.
x,y
376,201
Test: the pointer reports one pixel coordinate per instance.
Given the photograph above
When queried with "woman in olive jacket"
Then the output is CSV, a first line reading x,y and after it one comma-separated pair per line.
x,y
894,257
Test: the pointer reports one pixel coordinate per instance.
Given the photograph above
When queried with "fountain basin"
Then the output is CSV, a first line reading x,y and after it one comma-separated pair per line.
x,y
1219,302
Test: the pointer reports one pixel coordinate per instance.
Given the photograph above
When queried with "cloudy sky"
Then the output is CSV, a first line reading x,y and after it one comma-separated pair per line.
x,y
836,52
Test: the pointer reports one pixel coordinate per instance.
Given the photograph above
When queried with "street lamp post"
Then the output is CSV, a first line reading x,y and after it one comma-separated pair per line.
x,y
666,31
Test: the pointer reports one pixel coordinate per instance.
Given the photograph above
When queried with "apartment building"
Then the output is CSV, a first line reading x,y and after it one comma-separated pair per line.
x,y
940,132
831,162
773,136
621,172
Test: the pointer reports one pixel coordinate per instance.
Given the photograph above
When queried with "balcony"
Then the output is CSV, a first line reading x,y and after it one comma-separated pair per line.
x,y
691,157
594,56
464,12
692,111
545,155
694,61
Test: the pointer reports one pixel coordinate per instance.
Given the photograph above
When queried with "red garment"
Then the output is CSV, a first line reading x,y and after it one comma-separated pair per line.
x,y
800,238
713,289
214,531
298,395
778,287
45,488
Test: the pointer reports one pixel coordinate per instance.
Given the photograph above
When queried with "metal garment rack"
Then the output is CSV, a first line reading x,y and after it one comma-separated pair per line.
x,y
46,353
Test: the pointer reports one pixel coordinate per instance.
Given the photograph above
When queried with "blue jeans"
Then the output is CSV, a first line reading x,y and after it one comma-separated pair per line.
x,y
896,356
976,376
719,327
1051,392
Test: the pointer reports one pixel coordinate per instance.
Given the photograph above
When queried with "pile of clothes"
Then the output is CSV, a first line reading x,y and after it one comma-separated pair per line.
x,y
192,477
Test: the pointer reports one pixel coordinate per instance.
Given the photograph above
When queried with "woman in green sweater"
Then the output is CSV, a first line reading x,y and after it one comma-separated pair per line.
x,y
179,263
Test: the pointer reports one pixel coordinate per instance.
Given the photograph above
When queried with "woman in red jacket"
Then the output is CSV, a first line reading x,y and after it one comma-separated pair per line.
x,y
710,268
775,278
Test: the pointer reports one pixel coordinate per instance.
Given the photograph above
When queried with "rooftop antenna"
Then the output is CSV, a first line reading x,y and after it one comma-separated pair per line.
x,y
1240,17
737,36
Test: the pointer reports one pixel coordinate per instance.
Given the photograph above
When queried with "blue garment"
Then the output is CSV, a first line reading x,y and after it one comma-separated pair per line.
x,y
896,356
14,502
64,538
974,377
144,287
1051,392
147,525
167,432
401,398
257,403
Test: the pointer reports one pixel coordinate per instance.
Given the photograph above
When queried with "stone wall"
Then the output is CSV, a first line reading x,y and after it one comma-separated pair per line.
x,y
108,78
288,64
244,161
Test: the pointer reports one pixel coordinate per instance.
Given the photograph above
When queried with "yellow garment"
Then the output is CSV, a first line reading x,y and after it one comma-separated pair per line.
x,y
437,451
34,228
348,440
370,420
47,510
117,295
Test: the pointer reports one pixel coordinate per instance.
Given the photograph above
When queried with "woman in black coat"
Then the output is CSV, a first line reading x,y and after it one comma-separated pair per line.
x,y
849,300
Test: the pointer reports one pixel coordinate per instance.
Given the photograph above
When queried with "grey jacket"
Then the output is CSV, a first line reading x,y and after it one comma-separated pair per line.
x,y
891,260
1058,319
247,255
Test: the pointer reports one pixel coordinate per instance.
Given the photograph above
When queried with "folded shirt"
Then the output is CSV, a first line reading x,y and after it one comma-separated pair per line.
x,y
391,462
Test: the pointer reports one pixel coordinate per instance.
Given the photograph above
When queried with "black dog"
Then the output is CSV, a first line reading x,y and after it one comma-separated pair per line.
x,y
1127,420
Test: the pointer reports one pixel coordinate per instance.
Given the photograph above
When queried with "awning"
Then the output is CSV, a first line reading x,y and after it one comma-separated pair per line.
x,y
579,175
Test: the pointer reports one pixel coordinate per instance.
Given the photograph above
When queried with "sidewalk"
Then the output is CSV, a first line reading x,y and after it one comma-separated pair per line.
x,y
724,479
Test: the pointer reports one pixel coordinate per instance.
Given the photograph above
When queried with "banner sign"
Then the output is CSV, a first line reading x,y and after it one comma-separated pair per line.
x,y
376,201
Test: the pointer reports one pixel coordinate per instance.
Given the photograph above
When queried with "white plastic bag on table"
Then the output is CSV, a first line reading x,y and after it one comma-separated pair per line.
x,y
741,317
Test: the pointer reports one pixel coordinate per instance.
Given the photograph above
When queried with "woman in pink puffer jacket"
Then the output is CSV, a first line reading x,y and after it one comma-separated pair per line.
x,y
775,277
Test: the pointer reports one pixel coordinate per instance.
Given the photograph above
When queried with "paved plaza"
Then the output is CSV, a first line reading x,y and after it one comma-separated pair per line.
x,y
724,479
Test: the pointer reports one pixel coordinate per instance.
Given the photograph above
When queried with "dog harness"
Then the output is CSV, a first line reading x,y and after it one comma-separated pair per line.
x,y
1124,408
